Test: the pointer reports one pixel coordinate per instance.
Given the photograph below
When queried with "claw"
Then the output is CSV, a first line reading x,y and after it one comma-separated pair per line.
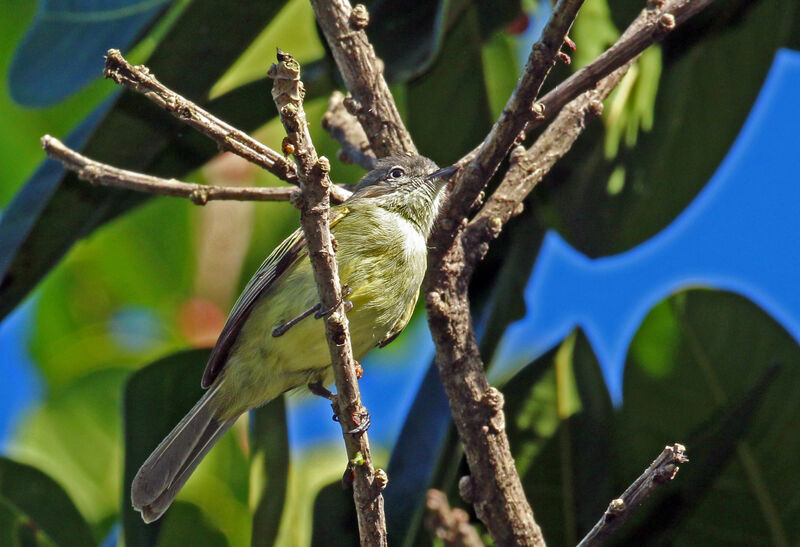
x,y
364,424
347,304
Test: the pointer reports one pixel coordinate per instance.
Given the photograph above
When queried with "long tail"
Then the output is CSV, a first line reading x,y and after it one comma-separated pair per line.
x,y
169,466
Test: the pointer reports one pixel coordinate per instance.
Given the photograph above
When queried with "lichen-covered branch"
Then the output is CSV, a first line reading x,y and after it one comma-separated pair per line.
x,y
345,128
314,205
95,172
228,138
661,471
374,106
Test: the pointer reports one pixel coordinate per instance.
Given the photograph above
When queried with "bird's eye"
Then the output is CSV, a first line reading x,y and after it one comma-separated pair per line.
x,y
396,172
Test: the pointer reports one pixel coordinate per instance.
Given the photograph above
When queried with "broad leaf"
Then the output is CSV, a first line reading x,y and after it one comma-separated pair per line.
x,y
721,372
453,84
45,505
559,419
605,206
269,469
60,51
156,398
73,437
55,210
185,524
334,519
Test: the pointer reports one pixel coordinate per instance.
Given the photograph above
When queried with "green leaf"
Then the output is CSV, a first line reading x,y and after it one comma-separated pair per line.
x,y
719,390
334,518
406,36
156,398
453,84
186,524
500,69
53,211
559,426
45,505
74,438
17,530
60,51
650,187
269,469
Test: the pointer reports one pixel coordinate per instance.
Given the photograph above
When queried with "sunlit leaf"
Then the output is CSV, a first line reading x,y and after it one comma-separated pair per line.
x,y
74,438
52,212
60,51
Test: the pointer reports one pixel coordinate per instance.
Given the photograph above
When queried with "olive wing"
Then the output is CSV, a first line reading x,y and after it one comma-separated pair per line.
x,y
276,264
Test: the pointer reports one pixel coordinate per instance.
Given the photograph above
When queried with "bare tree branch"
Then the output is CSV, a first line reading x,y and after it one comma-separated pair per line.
x,y
519,109
345,128
661,471
95,172
493,485
449,525
228,138
528,167
288,92
654,22
343,26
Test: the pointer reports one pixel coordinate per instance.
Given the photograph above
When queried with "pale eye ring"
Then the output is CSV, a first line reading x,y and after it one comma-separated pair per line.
x,y
396,172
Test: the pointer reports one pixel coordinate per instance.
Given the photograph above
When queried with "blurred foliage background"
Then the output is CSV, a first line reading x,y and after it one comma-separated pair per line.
x,y
111,298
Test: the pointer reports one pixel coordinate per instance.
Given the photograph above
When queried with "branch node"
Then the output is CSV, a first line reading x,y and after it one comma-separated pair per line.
x,y
466,489
199,196
596,107
381,479
359,17
666,22
616,507
351,105
537,109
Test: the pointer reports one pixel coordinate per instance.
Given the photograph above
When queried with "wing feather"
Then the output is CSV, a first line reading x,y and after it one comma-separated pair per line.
x,y
276,264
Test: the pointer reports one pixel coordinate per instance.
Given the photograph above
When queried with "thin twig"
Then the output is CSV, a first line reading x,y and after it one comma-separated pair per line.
x,y
139,79
314,207
654,22
374,106
228,138
345,128
519,109
657,20
451,526
95,172
528,167
661,471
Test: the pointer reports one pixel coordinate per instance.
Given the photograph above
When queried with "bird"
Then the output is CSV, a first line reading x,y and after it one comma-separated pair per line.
x,y
271,344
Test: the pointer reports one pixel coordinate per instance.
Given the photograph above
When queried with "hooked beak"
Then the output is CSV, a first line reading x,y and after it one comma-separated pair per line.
x,y
444,172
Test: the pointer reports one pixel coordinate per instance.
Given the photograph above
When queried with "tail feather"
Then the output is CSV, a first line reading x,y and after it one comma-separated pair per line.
x,y
166,470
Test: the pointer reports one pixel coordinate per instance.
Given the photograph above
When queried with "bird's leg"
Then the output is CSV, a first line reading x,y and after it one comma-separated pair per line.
x,y
347,304
281,329
321,391
362,420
